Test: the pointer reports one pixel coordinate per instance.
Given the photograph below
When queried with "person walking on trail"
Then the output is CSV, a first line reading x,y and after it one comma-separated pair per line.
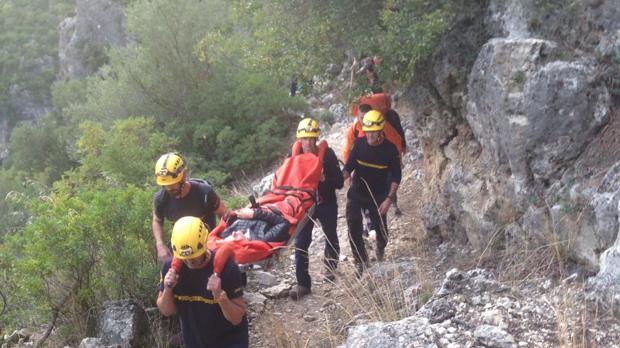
x,y
368,69
210,306
181,196
393,129
355,131
371,160
326,212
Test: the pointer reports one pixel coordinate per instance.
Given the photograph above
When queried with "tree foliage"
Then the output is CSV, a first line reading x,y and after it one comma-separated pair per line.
x,y
207,78
195,101
87,247
300,37
124,154
29,47
39,148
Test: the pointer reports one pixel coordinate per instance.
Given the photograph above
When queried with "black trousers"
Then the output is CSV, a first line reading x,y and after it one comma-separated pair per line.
x,y
355,224
327,214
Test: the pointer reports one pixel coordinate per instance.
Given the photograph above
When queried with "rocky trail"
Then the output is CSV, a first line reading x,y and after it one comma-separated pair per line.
x,y
316,319
429,292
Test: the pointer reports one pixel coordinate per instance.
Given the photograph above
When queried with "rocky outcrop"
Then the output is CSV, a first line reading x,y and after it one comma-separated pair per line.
x,y
83,40
24,102
470,309
605,286
519,128
97,25
121,323
28,105
510,138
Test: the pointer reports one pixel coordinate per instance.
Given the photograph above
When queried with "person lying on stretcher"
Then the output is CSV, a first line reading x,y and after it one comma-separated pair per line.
x,y
256,224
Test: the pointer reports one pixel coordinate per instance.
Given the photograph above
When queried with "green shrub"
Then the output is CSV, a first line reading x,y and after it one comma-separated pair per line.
x,y
40,149
78,251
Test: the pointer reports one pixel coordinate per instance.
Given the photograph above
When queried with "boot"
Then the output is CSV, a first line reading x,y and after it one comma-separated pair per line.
x,y
328,274
359,270
298,292
380,253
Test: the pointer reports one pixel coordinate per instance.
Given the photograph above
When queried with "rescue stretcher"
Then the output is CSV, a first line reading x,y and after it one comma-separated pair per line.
x,y
293,195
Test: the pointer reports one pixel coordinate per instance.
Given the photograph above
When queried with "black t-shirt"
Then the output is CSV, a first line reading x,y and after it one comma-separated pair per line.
x,y
372,164
202,322
201,201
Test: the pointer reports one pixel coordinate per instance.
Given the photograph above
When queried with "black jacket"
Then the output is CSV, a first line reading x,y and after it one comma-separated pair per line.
x,y
333,177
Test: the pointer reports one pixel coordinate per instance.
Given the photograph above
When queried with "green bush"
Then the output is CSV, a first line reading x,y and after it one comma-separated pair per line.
x,y
40,149
126,153
226,115
78,251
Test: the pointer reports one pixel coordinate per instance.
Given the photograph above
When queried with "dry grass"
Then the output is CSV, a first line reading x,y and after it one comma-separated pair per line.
x,y
521,262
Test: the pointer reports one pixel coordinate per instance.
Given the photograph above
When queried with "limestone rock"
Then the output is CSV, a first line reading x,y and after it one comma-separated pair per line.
x,y
277,291
124,323
263,279
255,301
339,111
409,332
493,336
92,342
263,186
97,24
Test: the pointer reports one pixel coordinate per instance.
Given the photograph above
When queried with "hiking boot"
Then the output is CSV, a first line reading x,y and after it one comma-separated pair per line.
x,y
380,254
298,291
329,275
359,270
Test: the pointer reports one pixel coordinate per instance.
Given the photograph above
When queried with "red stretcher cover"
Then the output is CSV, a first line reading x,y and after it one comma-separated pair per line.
x,y
292,194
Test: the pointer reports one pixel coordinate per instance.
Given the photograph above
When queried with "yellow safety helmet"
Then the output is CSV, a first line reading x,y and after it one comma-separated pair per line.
x,y
373,121
189,238
308,128
170,168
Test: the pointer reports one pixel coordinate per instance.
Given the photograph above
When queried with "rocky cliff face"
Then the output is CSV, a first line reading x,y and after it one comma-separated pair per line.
x,y
97,25
84,38
517,113
23,103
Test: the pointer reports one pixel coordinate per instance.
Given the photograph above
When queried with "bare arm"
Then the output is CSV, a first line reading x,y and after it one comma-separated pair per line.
x,y
385,205
158,232
221,209
165,299
233,310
